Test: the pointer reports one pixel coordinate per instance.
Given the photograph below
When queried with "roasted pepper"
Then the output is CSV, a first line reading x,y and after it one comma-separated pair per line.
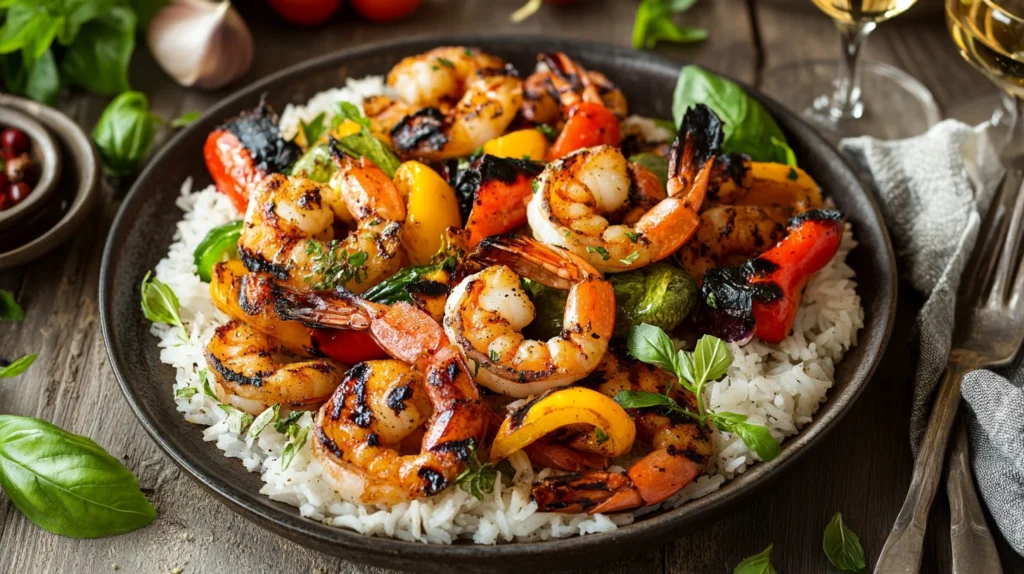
x,y
244,150
762,296
431,207
527,144
589,124
736,180
494,191
614,430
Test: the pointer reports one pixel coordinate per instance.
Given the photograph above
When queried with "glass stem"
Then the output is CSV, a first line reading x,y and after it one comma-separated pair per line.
x,y
846,102
1013,146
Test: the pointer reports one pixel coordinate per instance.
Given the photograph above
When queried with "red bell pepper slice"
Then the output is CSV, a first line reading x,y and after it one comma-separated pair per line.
x,y
589,124
231,166
348,347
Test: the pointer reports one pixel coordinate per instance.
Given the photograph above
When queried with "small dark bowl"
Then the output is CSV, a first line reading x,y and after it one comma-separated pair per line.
x,y
146,222
46,159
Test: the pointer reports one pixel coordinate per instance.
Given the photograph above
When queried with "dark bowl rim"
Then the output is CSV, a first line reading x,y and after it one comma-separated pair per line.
x,y
308,531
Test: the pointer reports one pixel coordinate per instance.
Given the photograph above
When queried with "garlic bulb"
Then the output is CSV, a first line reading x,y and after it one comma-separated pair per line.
x,y
201,43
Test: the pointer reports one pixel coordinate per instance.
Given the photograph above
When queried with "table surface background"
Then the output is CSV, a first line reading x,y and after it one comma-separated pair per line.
x,y
862,469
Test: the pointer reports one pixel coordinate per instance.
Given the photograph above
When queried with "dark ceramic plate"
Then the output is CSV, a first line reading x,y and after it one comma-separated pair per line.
x,y
146,222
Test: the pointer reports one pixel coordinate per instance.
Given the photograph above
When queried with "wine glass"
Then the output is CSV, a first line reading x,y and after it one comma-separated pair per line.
x,y
990,35
849,97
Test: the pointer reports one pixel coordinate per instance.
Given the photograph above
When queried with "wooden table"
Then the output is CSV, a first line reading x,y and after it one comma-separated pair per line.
x,y
862,469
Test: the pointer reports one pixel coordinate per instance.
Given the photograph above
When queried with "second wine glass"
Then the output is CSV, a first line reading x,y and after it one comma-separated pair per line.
x,y
850,97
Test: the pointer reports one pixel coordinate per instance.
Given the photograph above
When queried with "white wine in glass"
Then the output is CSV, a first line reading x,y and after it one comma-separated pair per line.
x,y
848,97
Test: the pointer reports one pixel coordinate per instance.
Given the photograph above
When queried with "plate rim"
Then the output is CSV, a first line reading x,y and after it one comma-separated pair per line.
x,y
351,544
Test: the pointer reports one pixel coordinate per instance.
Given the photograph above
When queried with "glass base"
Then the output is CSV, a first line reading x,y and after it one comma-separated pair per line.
x,y
892,104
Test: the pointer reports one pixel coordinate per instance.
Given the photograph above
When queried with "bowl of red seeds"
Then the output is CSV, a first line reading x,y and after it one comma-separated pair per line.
x,y
30,166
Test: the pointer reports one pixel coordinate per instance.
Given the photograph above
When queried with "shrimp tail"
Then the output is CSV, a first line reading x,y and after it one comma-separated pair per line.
x,y
692,158
557,268
569,79
339,309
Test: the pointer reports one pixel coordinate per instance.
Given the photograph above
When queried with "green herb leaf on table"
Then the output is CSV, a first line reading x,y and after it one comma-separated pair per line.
x,y
653,23
842,546
66,483
125,132
98,58
260,422
748,126
16,367
477,478
9,308
314,129
760,563
185,119
159,304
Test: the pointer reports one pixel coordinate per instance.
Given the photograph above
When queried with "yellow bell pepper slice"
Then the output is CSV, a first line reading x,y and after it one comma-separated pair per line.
x,y
768,184
561,408
522,144
431,207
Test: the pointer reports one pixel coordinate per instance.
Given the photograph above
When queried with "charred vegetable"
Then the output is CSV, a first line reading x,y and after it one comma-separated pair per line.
x,y
244,150
492,192
220,244
659,294
761,297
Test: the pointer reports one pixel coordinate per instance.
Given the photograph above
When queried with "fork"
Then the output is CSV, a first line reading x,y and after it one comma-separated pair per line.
x,y
988,333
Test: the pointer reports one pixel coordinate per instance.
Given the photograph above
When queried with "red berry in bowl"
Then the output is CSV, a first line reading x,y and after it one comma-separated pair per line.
x,y
14,141
18,192
4,182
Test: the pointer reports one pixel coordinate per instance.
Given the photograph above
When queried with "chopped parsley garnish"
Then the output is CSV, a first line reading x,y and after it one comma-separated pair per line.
x,y
600,435
493,355
333,266
792,175
632,236
600,251
631,258
446,62
548,131
477,478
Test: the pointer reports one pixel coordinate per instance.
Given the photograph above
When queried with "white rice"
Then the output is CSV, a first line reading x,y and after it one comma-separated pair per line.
x,y
780,386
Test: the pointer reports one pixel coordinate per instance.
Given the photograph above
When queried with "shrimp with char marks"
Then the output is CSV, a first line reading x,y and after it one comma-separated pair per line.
x,y
729,233
485,313
681,449
359,432
613,213
549,92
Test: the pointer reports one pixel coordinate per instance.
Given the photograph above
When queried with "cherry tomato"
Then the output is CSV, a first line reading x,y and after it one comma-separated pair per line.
x,y
231,166
384,10
306,12
589,124
349,347
18,192
14,141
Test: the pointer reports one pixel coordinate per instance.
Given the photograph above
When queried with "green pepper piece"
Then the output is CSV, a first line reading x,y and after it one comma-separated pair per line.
x,y
396,288
220,244
316,164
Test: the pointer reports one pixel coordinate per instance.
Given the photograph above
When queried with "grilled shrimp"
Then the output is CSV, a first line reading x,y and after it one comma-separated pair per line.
x,y
550,92
380,405
251,372
598,205
681,450
729,232
486,312
453,100
289,228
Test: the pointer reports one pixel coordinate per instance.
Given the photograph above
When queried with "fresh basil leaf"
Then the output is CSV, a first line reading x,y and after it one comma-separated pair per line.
x,y
727,421
652,346
349,111
9,308
684,367
314,129
289,421
186,393
29,27
238,420
66,483
296,441
842,546
711,359
42,80
758,439
77,13
657,164
265,418
783,147
159,303
653,23
759,563
17,367
185,119
748,126
477,478
125,133
98,58
364,143
643,400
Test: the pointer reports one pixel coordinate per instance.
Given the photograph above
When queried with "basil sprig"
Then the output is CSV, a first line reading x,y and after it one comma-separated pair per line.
x,y
749,128
653,24
16,367
477,478
9,308
66,483
125,133
363,143
842,546
709,362
159,303
760,563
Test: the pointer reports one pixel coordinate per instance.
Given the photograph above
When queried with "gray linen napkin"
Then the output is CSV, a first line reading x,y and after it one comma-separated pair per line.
x,y
935,190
